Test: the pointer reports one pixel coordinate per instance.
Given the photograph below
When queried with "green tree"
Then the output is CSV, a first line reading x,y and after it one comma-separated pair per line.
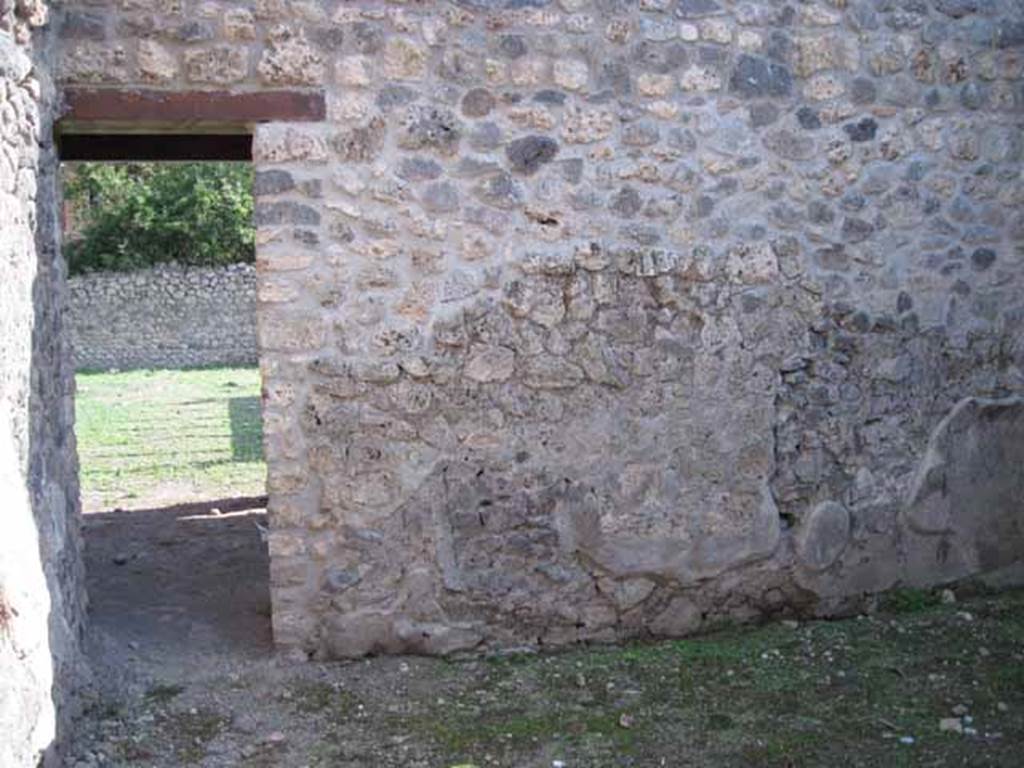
x,y
134,215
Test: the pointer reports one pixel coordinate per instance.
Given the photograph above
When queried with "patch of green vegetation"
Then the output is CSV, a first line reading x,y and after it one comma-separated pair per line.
x,y
197,432
134,215
162,693
190,732
462,735
315,696
909,600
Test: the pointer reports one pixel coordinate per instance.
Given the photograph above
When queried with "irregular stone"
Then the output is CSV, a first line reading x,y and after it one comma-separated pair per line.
x,y
972,96
272,182
792,146
570,74
219,65
239,24
856,230
695,9
391,96
863,91
763,113
285,212
550,372
549,96
1009,34
430,127
488,364
156,63
419,169
820,52
528,154
192,32
626,203
756,78
641,134
701,79
834,258
680,618
291,60
477,103
440,197
404,60
83,25
354,71
275,143
808,119
361,144
500,191
629,593
337,580
512,46
957,8
863,130
586,126
753,263
983,258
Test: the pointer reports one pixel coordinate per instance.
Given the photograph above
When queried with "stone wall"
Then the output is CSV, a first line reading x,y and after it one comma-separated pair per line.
x,y
41,586
165,317
593,319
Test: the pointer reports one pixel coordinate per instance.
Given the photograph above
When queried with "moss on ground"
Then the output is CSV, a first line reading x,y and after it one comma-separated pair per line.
x,y
866,692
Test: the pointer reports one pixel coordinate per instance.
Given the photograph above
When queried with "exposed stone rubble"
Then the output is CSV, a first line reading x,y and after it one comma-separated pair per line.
x,y
589,320
164,317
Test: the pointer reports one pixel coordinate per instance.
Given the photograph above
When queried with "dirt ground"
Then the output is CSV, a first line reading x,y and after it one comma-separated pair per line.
x,y
186,675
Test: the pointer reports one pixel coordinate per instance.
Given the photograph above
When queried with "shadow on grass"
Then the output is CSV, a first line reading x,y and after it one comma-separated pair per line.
x,y
246,428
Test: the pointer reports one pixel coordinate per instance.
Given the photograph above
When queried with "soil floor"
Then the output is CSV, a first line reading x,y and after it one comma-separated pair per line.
x,y
186,675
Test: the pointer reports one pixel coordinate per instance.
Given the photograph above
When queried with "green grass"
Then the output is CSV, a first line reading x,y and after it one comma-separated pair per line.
x,y
153,438
771,696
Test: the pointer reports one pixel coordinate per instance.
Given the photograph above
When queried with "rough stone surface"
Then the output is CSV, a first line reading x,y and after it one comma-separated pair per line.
x,y
778,243
528,154
165,317
42,600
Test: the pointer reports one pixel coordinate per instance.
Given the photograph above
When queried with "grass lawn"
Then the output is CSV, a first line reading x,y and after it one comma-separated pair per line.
x,y
156,438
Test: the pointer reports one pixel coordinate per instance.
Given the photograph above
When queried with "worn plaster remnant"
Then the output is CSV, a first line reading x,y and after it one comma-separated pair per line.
x,y
966,504
583,321
824,535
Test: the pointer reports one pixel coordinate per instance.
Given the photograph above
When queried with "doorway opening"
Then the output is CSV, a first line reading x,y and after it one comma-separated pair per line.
x,y
161,314
184,580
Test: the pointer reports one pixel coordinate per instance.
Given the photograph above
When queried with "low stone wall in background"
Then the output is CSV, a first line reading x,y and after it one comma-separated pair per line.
x,y
165,317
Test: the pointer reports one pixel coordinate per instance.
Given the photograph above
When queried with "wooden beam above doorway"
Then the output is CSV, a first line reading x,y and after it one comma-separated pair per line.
x,y
146,124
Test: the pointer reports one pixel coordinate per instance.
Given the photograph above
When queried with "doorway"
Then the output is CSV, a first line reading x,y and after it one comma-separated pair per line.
x,y
161,313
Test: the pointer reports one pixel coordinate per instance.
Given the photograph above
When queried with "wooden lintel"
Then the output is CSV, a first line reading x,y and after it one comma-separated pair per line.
x,y
132,110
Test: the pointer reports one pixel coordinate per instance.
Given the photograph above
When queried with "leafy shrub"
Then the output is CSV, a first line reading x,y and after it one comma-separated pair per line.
x,y
134,215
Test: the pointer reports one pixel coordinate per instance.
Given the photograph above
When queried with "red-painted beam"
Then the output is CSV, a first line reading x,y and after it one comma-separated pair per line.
x,y
166,108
